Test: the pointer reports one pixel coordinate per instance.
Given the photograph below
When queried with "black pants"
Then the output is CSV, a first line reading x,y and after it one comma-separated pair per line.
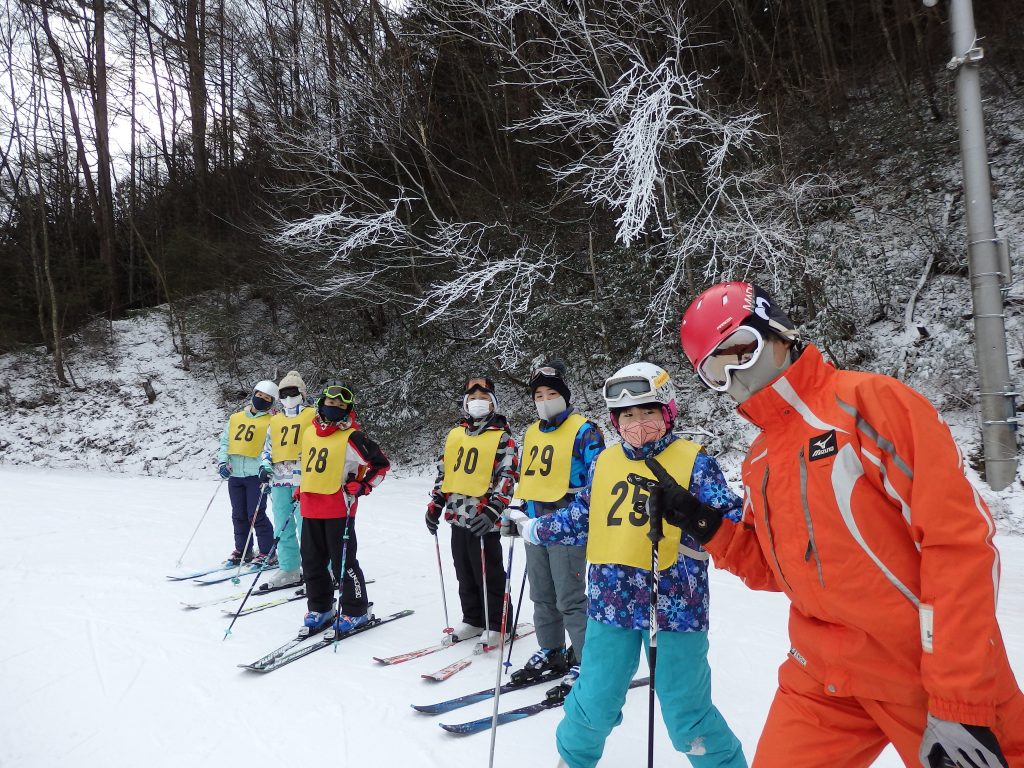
x,y
322,543
466,553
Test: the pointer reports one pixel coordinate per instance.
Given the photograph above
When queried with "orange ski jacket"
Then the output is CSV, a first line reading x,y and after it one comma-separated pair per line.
x,y
857,507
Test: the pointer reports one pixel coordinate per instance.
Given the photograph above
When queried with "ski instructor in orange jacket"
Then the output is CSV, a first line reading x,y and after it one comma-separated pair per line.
x,y
857,507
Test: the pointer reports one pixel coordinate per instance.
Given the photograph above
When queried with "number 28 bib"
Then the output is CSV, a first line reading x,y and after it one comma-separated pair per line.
x,y
246,434
618,533
322,460
547,460
469,461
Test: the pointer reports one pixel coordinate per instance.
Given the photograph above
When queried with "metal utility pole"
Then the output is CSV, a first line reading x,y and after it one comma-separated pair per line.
x,y
998,408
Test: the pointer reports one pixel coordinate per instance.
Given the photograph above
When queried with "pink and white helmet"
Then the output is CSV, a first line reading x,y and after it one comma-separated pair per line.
x,y
641,384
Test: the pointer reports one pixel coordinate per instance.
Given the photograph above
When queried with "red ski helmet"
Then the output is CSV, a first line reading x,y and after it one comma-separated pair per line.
x,y
723,308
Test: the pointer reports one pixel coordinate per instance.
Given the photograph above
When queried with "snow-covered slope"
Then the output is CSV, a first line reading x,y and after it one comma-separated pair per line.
x,y
100,666
106,421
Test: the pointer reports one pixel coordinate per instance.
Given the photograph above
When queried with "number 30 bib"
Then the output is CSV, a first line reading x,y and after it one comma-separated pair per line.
x,y
469,461
322,460
618,533
547,460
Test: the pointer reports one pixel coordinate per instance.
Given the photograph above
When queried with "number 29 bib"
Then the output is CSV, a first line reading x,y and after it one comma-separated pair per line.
x,y
547,460
618,532
246,434
469,461
322,461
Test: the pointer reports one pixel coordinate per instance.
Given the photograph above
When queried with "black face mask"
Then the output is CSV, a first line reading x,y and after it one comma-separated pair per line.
x,y
259,404
332,413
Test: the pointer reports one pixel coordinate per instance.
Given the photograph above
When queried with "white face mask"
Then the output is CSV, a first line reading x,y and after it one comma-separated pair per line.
x,y
548,409
291,402
477,409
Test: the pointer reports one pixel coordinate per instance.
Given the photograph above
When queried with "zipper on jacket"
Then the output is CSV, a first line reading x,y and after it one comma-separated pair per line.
x,y
768,527
812,547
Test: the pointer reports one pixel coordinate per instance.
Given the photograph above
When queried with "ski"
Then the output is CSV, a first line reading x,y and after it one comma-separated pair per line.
x,y
299,595
285,654
473,698
448,642
305,633
219,578
239,596
196,574
479,649
512,715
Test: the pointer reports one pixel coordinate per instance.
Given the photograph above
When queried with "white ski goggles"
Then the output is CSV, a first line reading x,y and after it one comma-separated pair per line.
x,y
627,386
737,351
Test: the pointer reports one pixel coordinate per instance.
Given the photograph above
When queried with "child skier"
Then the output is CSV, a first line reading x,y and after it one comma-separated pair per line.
x,y
239,463
279,460
476,473
605,515
558,451
337,464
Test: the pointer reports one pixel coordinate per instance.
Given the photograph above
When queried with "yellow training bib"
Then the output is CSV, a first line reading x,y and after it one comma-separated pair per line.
x,y
469,461
547,460
618,533
322,460
285,433
246,433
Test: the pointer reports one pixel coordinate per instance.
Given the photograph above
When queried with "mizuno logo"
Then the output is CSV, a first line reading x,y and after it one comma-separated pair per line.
x,y
822,446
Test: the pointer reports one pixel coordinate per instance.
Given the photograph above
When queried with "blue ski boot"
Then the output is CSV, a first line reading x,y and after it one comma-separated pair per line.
x,y
317,621
345,623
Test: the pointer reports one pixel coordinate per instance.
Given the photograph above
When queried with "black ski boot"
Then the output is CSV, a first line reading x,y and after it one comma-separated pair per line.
x,y
557,694
543,661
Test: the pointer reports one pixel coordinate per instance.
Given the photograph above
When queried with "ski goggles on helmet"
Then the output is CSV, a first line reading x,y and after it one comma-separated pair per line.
x,y
736,352
479,384
628,387
338,392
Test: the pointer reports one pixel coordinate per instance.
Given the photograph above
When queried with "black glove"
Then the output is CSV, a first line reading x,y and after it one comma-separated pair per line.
x,y
432,518
947,744
223,471
264,475
677,505
484,522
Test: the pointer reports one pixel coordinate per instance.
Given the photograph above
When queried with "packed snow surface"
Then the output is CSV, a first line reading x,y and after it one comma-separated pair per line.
x,y
101,666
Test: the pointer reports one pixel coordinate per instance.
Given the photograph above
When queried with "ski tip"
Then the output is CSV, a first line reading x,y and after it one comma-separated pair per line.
x,y
456,729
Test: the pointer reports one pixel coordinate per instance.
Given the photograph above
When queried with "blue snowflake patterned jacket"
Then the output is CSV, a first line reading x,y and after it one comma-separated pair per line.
x,y
620,595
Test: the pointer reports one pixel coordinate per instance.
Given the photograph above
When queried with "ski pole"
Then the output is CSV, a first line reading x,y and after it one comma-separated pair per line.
x,y
210,504
448,628
483,582
501,648
273,548
655,534
344,554
252,526
515,624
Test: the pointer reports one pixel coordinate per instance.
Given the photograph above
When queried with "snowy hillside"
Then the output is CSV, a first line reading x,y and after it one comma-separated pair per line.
x,y
102,667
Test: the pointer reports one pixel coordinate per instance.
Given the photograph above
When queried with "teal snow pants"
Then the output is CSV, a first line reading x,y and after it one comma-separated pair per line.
x,y
682,684
284,510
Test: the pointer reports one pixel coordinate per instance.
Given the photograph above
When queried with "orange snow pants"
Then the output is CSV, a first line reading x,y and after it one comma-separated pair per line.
x,y
808,729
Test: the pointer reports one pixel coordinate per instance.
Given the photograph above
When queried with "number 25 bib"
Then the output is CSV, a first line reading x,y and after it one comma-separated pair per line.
x,y
618,532
469,461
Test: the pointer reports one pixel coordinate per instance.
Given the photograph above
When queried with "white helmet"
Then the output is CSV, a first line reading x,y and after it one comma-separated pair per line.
x,y
639,384
266,387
